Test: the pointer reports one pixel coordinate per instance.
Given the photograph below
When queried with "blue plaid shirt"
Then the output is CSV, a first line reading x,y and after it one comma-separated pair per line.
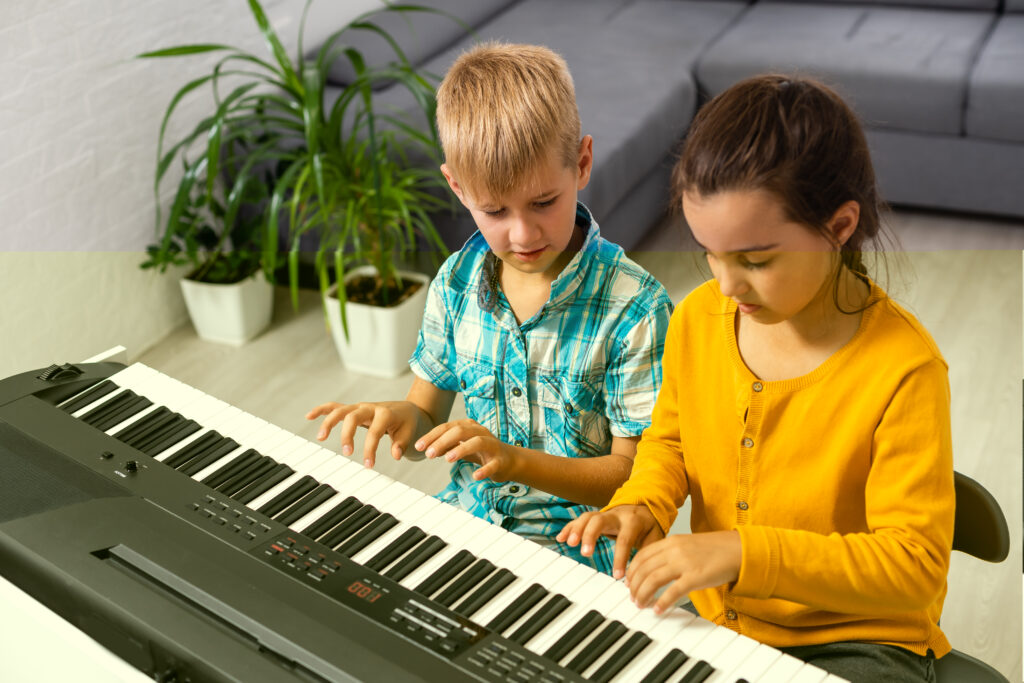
x,y
585,368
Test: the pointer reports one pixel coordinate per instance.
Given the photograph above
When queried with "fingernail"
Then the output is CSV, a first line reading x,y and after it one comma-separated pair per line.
x,y
320,435
346,450
587,549
449,457
368,462
574,539
658,609
419,445
431,452
617,574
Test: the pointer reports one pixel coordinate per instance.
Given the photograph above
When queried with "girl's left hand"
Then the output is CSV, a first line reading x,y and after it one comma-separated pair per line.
x,y
469,440
686,562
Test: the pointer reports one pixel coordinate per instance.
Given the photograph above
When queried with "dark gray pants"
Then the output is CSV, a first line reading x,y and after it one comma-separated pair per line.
x,y
864,662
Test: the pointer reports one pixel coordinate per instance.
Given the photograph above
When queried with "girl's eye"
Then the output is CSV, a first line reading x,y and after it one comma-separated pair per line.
x,y
751,265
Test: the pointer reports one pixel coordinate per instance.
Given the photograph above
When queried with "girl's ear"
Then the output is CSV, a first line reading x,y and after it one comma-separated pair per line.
x,y
844,222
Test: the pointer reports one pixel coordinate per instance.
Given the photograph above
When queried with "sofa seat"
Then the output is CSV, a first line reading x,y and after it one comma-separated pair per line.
x,y
900,68
995,101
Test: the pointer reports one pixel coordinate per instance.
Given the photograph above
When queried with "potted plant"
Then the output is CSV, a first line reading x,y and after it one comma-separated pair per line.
x,y
337,172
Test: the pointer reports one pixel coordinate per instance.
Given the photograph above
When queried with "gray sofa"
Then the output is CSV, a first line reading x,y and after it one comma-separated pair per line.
x,y
939,85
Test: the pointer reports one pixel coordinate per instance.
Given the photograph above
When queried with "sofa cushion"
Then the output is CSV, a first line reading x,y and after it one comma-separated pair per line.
x,y
421,35
1014,6
990,5
631,63
995,100
899,68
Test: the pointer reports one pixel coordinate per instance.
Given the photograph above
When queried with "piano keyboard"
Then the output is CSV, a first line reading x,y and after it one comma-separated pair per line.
x,y
489,603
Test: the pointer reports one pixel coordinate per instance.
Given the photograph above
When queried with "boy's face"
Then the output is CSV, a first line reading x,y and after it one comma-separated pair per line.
x,y
530,228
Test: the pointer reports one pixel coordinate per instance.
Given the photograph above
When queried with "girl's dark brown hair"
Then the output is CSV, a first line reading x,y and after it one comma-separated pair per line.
x,y
793,137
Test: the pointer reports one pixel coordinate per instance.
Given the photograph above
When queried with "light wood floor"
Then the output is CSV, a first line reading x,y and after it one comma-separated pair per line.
x,y
963,281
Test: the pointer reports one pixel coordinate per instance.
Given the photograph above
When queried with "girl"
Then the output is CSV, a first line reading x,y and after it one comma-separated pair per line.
x,y
804,412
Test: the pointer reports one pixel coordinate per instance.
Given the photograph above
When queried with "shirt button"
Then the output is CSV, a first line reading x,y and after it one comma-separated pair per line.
x,y
513,489
757,386
516,391
747,442
742,505
730,615
568,408
519,442
462,384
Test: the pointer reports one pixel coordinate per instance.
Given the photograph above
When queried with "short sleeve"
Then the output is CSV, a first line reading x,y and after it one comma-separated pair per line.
x,y
434,356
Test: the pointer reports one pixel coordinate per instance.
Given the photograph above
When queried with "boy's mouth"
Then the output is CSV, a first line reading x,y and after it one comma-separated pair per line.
x,y
528,256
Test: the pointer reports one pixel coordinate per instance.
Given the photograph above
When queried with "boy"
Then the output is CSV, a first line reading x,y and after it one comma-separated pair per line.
x,y
551,334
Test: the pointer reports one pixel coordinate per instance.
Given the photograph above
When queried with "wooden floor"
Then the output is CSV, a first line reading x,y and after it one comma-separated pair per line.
x,y
962,278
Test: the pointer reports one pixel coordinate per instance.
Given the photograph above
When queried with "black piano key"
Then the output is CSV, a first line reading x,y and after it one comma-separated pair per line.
x,y
668,665
590,653
255,472
190,451
445,573
332,518
317,496
180,432
206,458
517,608
261,485
116,410
633,646
480,570
574,635
544,616
367,535
415,559
699,673
496,583
144,426
245,459
353,523
105,408
90,395
401,545
170,427
291,494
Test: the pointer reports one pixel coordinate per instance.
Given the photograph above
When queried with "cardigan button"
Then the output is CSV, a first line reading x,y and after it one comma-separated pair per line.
x,y
730,615
742,505
747,442
757,386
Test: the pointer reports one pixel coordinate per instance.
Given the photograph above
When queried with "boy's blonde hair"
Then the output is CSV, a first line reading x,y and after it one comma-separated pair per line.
x,y
501,110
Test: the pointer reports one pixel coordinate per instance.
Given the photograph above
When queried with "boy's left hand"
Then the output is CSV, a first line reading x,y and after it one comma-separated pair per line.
x,y
686,562
469,440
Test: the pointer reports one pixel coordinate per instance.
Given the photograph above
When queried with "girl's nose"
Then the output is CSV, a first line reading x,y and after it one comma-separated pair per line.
x,y
731,282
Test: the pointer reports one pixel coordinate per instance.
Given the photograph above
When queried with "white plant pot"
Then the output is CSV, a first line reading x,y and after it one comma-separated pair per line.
x,y
380,340
229,314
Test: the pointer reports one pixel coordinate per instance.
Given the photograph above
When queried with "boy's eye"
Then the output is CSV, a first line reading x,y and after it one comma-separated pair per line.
x,y
545,203
494,213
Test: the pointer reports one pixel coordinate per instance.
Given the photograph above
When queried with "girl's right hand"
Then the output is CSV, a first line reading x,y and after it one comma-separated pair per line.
x,y
632,526
397,419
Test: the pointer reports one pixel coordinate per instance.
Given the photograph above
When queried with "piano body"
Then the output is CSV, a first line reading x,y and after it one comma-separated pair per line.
x,y
199,543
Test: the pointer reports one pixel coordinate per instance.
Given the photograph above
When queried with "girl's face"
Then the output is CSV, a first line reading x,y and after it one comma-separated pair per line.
x,y
774,268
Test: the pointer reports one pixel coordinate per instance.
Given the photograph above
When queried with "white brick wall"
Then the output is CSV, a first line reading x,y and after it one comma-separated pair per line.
x,y
79,119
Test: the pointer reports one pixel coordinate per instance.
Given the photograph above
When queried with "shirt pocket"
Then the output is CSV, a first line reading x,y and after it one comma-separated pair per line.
x,y
573,415
477,385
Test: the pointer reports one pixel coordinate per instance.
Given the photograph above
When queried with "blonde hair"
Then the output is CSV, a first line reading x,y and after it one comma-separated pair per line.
x,y
501,109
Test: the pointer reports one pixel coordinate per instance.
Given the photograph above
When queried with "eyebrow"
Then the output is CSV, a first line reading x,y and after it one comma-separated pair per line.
x,y
543,196
756,247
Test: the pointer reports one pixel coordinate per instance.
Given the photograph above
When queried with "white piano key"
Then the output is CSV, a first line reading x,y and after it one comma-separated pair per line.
x,y
782,670
753,666
713,642
546,577
730,658
525,574
664,633
586,596
406,501
812,674
220,463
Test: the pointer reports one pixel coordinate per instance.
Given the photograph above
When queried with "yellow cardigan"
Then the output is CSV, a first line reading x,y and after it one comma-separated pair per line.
x,y
840,482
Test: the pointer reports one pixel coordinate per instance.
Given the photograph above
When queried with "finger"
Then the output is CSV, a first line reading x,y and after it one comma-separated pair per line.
x,y
333,418
570,533
353,417
649,581
486,471
675,591
625,541
378,428
602,524
448,442
430,437
322,409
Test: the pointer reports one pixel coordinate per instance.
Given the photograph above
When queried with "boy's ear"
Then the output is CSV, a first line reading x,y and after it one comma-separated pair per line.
x,y
452,182
584,161
844,221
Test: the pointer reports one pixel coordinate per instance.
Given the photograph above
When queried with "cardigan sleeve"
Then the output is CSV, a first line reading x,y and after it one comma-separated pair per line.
x,y
658,479
901,562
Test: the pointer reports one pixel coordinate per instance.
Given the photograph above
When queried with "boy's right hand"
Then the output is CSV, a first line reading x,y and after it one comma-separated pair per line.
x,y
397,419
632,526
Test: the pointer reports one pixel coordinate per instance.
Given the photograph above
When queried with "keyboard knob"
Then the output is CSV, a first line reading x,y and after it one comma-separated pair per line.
x,y
131,466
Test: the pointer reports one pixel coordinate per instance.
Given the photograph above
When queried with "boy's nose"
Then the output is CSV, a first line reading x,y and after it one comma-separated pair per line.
x,y
522,233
